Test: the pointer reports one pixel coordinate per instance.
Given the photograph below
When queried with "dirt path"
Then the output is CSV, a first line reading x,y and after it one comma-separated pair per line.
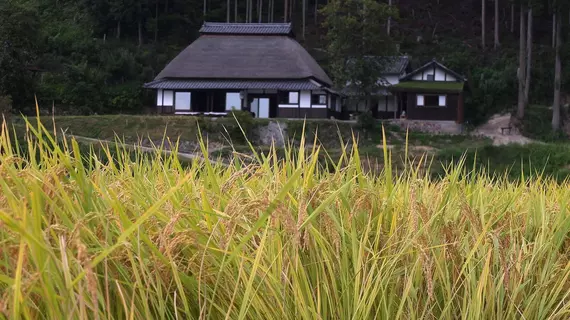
x,y
492,130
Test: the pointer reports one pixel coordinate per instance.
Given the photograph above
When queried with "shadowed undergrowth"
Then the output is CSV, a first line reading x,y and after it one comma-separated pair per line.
x,y
117,234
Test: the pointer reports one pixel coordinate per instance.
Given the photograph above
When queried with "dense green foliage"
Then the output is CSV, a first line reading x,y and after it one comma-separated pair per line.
x,y
149,238
87,57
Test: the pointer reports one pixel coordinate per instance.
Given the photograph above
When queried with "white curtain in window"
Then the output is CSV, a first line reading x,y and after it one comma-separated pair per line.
x,y
159,97
183,101
168,98
293,97
442,101
420,100
233,101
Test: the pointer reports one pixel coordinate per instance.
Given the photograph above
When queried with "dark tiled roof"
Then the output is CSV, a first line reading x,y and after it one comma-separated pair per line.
x,y
228,84
389,64
394,65
244,57
246,28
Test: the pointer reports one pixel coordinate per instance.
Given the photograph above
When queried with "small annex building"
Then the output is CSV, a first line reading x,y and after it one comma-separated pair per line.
x,y
432,92
256,67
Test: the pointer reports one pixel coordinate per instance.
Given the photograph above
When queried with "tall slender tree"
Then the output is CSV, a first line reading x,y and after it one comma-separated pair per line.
x,y
522,64
554,29
304,16
389,22
483,16
496,44
557,76
528,56
513,18
228,10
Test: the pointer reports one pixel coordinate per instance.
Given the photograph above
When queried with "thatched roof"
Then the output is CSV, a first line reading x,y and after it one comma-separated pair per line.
x,y
247,56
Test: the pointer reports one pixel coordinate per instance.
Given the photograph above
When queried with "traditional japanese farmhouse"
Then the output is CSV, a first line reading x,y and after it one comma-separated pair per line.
x,y
245,66
431,92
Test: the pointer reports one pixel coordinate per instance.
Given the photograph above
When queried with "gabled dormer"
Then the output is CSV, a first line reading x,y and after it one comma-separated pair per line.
x,y
433,71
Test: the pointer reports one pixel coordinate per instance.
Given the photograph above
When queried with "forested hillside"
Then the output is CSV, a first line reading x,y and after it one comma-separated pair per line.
x,y
92,56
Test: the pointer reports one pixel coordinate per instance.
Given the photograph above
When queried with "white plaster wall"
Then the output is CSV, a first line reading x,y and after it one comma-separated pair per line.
x,y
305,99
439,75
159,97
451,78
168,97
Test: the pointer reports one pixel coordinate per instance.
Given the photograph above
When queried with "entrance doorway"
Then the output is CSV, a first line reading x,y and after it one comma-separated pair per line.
x,y
260,107
263,107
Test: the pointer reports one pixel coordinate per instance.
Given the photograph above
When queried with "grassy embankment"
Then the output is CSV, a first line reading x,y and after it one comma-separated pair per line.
x,y
150,239
225,138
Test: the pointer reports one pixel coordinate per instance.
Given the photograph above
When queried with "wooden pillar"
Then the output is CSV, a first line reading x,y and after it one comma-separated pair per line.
x,y
460,111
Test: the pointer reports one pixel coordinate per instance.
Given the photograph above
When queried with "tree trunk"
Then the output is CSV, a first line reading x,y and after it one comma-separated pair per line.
x,y
204,9
389,22
304,16
512,18
119,29
522,65
250,11
228,10
317,11
497,44
554,26
140,31
285,10
529,57
235,10
483,23
557,76
259,10
166,6
156,23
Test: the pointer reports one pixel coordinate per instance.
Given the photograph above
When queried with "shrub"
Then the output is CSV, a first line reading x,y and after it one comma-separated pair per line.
x,y
5,106
366,123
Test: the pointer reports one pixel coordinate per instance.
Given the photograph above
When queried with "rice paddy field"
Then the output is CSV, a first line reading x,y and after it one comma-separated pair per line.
x,y
116,235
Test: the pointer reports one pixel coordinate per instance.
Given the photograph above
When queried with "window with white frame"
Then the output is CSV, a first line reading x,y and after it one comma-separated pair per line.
x,y
431,100
293,97
420,100
233,101
168,97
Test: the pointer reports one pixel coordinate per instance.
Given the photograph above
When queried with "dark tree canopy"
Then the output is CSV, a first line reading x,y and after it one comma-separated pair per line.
x,y
92,56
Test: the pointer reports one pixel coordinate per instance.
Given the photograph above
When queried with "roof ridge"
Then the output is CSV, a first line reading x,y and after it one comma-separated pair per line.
x,y
247,23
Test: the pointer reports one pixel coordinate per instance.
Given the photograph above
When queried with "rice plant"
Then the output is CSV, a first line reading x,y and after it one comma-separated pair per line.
x,y
105,233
